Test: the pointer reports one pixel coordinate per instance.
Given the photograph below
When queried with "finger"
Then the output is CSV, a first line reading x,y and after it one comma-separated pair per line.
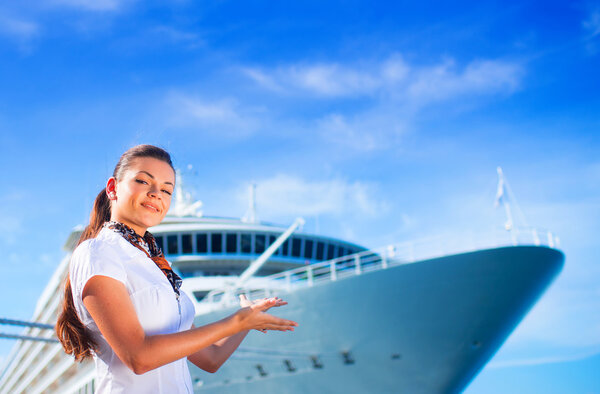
x,y
264,304
276,321
278,327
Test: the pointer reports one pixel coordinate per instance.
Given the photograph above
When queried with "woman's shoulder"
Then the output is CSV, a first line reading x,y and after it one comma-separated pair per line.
x,y
104,245
102,255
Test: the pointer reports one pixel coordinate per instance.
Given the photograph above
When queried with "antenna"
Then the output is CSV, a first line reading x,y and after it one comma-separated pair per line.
x,y
505,196
184,204
501,198
250,216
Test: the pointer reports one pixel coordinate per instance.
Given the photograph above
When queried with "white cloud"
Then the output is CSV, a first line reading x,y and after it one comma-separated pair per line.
x,y
215,116
90,5
178,36
331,79
445,81
592,24
18,28
285,195
393,77
365,132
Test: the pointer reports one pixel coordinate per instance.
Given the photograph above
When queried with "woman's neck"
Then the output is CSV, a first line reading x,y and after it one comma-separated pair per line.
x,y
139,230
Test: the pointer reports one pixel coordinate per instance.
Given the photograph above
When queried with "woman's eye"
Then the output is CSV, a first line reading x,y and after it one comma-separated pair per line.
x,y
168,192
141,181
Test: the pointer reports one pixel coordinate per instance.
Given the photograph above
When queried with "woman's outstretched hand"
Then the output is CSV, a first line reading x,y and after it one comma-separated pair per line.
x,y
253,315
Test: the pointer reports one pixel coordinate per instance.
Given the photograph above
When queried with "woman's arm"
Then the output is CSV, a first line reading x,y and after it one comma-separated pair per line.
x,y
212,357
108,303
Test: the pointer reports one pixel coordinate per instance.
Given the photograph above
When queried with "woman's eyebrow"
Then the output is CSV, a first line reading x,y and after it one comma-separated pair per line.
x,y
152,176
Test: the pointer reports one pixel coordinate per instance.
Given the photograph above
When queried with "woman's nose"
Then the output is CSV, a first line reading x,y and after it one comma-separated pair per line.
x,y
153,191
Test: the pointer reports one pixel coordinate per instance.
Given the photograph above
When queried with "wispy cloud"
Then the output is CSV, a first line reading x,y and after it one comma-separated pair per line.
x,y
331,79
91,5
394,78
592,23
363,132
591,27
175,35
393,92
283,195
447,81
213,116
543,360
22,31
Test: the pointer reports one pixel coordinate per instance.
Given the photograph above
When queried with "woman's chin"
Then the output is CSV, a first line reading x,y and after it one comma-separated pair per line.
x,y
152,221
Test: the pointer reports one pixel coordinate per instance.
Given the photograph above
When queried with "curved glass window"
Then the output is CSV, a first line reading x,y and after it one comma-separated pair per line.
x,y
308,248
231,242
329,251
285,248
186,244
342,251
320,250
246,243
296,246
259,243
172,244
201,243
216,243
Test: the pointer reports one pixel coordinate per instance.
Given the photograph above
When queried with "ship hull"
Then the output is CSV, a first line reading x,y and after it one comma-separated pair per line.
x,y
423,327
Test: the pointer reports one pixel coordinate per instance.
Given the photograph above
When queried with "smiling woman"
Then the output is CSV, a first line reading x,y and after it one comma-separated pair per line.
x,y
122,303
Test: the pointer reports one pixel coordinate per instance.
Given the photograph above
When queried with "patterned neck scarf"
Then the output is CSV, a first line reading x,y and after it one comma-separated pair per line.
x,y
147,244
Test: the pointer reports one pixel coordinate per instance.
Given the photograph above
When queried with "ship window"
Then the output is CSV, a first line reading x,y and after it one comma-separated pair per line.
x,y
172,244
246,243
271,239
159,241
343,251
308,249
330,251
216,240
320,249
200,295
284,248
231,246
259,243
186,243
201,243
296,246
336,251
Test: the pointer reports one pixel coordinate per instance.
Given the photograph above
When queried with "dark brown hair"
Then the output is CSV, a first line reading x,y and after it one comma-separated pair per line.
x,y
71,332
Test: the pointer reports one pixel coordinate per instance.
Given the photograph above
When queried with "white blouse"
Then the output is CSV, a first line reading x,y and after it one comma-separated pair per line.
x,y
158,310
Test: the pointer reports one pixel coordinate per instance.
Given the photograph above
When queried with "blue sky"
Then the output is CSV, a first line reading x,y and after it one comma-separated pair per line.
x,y
378,123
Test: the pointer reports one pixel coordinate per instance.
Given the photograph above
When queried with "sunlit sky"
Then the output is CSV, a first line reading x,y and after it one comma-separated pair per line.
x,y
377,123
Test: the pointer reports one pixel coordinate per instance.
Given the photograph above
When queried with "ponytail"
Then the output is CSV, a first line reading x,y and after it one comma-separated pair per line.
x,y
71,332
100,214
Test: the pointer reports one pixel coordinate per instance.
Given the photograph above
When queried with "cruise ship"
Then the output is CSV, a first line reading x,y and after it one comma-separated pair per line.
x,y
413,317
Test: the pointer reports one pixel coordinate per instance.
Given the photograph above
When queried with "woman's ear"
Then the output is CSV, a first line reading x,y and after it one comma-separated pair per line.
x,y
111,188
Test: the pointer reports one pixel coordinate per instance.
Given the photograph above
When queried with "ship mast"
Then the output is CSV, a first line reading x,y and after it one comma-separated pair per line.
x,y
250,216
184,204
501,198
505,196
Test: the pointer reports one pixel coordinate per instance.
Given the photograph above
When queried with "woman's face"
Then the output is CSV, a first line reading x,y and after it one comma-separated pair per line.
x,y
142,197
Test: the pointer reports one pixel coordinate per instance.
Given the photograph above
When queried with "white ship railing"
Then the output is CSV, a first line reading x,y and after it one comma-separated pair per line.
x,y
378,259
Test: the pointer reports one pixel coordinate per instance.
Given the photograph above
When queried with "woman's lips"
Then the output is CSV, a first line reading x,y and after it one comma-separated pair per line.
x,y
150,207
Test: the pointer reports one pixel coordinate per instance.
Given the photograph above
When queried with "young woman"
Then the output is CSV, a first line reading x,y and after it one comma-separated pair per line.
x,y
122,303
